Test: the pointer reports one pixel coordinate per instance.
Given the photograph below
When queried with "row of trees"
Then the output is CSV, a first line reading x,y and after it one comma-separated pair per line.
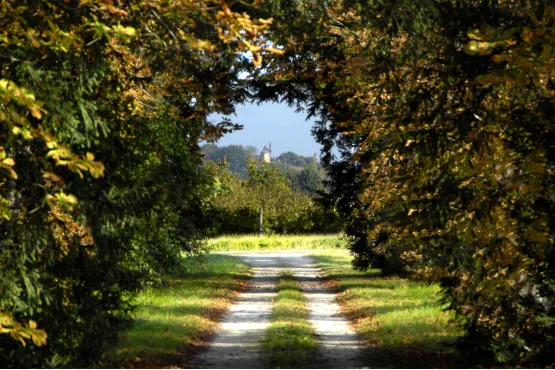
x,y
295,159
266,200
102,106
442,114
234,155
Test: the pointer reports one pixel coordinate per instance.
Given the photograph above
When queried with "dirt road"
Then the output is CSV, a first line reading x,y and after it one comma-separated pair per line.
x,y
237,342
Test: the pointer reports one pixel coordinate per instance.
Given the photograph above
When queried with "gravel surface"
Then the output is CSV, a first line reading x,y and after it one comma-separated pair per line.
x,y
236,343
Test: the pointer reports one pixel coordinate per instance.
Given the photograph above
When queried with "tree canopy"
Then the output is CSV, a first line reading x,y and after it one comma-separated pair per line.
x,y
235,155
435,119
441,113
103,104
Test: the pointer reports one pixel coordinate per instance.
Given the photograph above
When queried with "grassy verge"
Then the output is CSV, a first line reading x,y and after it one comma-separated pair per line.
x,y
276,242
402,319
172,321
289,341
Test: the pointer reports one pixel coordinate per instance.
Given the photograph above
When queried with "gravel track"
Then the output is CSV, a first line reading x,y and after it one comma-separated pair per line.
x,y
236,342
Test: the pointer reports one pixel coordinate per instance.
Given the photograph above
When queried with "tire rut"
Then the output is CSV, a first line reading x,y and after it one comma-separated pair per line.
x,y
236,344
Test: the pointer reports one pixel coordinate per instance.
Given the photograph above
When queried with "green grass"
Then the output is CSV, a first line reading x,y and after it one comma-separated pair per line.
x,y
391,312
171,320
289,340
277,242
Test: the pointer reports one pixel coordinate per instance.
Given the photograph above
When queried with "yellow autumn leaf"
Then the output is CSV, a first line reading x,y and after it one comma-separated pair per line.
x,y
35,112
52,176
275,51
12,173
257,59
14,335
70,198
39,337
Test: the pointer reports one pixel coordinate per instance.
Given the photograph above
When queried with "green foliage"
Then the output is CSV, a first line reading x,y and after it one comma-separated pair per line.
x,y
235,155
294,159
289,341
236,202
102,107
310,178
291,174
441,112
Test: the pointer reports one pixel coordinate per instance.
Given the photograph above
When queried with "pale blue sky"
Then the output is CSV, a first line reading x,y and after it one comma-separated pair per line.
x,y
275,123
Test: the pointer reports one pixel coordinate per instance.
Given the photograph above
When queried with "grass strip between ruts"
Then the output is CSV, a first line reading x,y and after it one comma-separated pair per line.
x,y
290,340
174,320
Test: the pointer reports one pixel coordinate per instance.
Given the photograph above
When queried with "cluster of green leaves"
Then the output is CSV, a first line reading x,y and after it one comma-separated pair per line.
x,y
294,159
441,113
102,106
308,179
236,203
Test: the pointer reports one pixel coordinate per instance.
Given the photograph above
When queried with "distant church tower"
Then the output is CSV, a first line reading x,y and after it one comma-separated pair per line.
x,y
267,153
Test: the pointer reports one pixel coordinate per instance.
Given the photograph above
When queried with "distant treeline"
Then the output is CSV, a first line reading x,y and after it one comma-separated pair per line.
x,y
304,173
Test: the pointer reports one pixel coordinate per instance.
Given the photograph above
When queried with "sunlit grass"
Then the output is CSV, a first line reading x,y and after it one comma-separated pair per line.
x,y
289,340
389,311
277,242
169,319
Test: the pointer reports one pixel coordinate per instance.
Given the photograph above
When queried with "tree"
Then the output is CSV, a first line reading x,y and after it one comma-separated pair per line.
x,y
291,174
102,107
440,112
236,203
294,159
268,188
235,155
310,178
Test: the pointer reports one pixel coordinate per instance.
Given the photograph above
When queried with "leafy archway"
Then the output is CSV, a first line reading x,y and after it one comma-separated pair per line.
x,y
440,112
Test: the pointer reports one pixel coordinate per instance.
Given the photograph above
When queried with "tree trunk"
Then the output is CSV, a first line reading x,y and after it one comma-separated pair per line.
x,y
260,220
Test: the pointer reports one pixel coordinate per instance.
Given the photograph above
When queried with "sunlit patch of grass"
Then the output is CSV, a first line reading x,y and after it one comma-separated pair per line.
x,y
277,242
392,312
289,340
170,319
